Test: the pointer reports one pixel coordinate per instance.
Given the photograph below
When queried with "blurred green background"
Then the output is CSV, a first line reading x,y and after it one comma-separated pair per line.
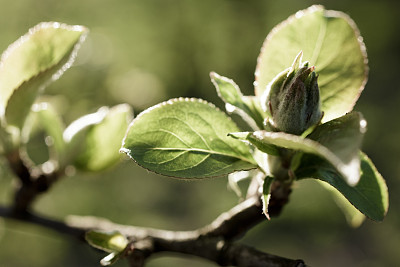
x,y
145,52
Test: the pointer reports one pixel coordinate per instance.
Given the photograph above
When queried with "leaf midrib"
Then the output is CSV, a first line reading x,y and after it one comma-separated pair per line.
x,y
199,150
320,41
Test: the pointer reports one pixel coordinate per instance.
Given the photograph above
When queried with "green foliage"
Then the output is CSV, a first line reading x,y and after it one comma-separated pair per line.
x,y
186,138
92,142
191,138
177,138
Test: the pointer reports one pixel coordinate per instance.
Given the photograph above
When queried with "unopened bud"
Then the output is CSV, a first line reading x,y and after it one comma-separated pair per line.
x,y
293,100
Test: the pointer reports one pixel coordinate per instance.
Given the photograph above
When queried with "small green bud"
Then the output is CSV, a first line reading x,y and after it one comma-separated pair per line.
x,y
293,100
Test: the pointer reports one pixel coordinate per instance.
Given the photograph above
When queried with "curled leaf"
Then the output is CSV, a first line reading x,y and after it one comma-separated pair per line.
x,y
337,141
30,63
248,107
369,196
101,135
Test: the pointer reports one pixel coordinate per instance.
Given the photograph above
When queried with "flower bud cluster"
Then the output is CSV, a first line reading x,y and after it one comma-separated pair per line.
x,y
293,99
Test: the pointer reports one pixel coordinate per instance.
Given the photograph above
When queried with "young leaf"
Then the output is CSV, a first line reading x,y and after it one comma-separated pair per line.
x,y
82,123
234,179
102,141
266,194
330,41
30,63
369,196
186,138
338,142
249,108
343,136
112,242
75,134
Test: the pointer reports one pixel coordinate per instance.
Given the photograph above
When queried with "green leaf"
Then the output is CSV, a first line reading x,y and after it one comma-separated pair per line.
x,y
234,179
102,141
330,41
253,104
30,63
338,141
266,194
75,134
249,108
186,138
112,242
369,196
343,136
353,216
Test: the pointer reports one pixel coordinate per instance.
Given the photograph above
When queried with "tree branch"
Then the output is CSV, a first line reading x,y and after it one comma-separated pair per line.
x,y
33,181
55,225
237,221
212,242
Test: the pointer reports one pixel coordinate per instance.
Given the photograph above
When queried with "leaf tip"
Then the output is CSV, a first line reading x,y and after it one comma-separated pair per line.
x,y
213,75
239,135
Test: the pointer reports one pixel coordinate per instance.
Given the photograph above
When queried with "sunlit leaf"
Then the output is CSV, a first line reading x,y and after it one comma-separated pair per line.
x,y
186,138
102,141
247,107
75,134
266,195
30,63
369,196
84,122
343,136
330,41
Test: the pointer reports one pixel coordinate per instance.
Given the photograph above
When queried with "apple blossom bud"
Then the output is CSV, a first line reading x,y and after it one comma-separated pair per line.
x,y
293,100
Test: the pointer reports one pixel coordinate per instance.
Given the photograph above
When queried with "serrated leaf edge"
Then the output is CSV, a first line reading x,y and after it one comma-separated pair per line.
x,y
62,69
170,102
